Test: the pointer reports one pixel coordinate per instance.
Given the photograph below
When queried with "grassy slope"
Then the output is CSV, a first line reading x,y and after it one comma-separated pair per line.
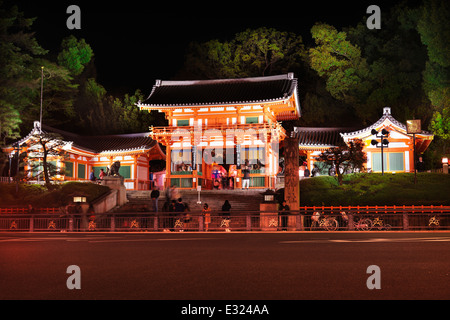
x,y
38,196
375,189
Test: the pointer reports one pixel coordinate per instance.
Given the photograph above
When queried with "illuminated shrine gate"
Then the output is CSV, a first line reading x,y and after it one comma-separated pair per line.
x,y
216,125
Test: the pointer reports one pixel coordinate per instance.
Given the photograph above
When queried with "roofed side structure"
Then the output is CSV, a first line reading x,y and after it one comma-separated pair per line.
x,y
319,137
103,144
398,154
86,154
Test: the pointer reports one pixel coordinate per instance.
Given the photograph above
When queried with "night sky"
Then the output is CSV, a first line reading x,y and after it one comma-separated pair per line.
x,y
136,43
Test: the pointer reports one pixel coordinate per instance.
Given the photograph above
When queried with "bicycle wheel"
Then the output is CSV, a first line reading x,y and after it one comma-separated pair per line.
x,y
387,227
366,224
331,225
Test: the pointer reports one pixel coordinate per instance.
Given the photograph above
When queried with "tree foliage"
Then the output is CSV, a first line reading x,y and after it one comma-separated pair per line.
x,y
18,54
338,61
435,35
253,52
46,146
346,158
75,54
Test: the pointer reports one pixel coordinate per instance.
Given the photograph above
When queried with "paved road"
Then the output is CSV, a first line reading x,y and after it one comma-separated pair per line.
x,y
225,266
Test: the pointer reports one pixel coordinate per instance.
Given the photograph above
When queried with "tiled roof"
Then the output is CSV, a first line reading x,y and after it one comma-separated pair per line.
x,y
386,115
331,137
103,143
221,91
319,137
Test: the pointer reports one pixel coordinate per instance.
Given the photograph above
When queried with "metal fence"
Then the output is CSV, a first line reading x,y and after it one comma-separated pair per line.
x,y
305,219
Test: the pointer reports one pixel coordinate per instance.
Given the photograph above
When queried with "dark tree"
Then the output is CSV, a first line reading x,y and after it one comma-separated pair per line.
x,y
345,158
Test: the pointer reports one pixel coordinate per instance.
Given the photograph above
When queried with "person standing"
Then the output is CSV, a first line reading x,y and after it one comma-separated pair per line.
x,y
306,172
179,206
206,212
246,176
420,165
154,195
101,174
315,171
226,207
92,175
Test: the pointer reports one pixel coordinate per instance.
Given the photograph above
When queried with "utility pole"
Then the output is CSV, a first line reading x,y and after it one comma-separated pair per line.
x,y
42,93
413,127
383,134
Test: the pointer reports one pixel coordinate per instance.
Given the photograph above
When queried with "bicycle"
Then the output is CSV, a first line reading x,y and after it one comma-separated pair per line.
x,y
363,224
327,223
433,221
377,222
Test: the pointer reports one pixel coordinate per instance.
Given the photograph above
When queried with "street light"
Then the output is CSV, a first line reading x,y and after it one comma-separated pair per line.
x,y
18,161
413,127
380,144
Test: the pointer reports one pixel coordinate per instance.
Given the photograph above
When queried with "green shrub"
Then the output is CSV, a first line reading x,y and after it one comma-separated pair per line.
x,y
376,189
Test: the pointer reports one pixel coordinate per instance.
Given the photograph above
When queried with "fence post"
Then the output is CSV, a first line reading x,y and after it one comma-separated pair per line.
x,y
351,224
31,223
200,223
405,221
70,223
248,223
300,222
113,223
155,223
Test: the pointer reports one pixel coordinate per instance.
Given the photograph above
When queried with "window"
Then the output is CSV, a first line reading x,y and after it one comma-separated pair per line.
x,y
252,154
376,162
81,171
68,171
393,161
125,171
251,120
182,123
258,182
396,161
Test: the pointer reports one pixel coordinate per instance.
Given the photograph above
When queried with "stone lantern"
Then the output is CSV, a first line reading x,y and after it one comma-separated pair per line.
x,y
269,211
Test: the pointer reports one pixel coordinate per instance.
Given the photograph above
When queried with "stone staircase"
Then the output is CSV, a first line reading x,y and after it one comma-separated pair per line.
x,y
240,200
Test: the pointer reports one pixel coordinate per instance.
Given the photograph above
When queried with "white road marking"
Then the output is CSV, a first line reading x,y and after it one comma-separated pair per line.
x,y
149,240
441,239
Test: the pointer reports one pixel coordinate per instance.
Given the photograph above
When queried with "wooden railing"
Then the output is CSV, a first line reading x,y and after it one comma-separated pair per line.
x,y
394,218
20,210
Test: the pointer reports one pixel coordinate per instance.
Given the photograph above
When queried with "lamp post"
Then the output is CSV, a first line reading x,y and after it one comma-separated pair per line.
x,y
380,144
413,127
17,170
10,156
42,93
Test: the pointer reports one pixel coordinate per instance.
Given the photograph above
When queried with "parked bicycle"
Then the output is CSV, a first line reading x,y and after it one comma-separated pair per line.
x,y
326,222
380,225
433,221
362,224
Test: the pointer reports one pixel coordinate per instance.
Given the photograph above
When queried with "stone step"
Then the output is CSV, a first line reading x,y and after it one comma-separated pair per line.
x,y
240,200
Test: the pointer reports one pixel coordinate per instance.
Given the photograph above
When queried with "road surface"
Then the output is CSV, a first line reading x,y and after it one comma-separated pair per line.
x,y
225,266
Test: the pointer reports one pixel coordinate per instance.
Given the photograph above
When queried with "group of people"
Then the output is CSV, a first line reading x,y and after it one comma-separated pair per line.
x,y
93,178
173,203
206,213
222,180
307,173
